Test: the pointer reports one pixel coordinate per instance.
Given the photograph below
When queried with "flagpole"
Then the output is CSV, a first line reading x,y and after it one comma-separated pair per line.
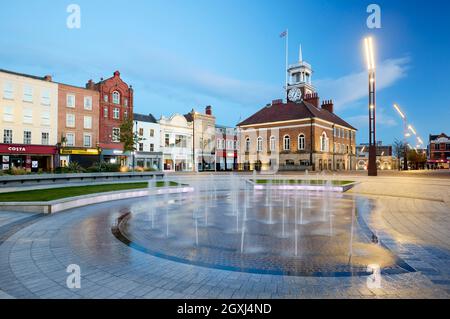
x,y
287,61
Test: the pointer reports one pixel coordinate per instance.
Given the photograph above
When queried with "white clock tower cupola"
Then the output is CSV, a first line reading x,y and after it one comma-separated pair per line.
x,y
299,83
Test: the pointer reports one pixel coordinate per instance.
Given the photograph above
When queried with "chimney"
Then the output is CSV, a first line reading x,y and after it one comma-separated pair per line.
x,y
48,78
328,105
275,102
312,98
117,73
90,85
208,110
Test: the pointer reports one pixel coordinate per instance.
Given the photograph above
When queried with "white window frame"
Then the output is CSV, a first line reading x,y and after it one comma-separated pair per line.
x,y
25,140
288,139
28,115
9,136
45,118
87,122
84,140
272,144
116,113
301,142
68,122
27,93
8,114
8,91
45,97
116,97
48,138
87,103
247,144
115,137
73,139
259,144
68,96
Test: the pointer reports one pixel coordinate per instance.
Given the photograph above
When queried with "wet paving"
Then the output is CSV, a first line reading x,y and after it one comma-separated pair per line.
x,y
294,233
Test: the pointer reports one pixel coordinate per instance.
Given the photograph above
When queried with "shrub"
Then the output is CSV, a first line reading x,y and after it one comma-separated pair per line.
x,y
104,167
16,171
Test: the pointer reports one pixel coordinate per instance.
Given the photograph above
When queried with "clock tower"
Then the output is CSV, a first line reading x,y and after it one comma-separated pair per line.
x,y
299,83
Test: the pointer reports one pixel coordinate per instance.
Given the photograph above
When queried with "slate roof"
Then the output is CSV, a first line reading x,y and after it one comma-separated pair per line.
x,y
292,111
144,118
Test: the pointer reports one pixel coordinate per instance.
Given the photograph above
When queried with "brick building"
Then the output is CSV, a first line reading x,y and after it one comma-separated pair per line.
x,y
298,134
227,146
116,105
439,151
78,125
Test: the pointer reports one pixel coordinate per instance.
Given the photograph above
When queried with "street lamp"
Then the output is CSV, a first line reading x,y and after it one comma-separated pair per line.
x,y
372,164
405,135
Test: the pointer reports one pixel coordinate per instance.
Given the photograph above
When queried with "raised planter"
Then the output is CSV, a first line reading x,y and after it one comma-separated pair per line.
x,y
59,205
75,178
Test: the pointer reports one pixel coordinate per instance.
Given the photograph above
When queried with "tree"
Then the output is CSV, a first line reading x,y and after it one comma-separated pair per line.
x,y
399,150
418,159
128,137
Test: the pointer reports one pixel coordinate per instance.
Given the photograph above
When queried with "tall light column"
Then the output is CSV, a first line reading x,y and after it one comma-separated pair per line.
x,y
372,165
405,132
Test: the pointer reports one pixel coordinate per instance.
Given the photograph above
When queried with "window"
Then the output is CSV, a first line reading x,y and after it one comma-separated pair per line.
x,y
324,142
116,134
8,91
28,94
8,114
152,132
272,144
70,139
87,122
218,144
125,102
70,120
301,142
141,147
141,131
347,149
88,103
45,97
116,112
105,98
45,139
125,114
286,143
26,137
166,140
259,144
28,116
87,140
116,97
105,111
45,118
70,100
180,141
152,147
247,144
7,136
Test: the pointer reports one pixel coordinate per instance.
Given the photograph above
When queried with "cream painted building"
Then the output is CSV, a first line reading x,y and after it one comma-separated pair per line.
x,y
176,143
29,113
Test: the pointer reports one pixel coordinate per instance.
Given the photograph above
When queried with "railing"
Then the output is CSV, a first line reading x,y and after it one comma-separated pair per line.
x,y
76,178
294,167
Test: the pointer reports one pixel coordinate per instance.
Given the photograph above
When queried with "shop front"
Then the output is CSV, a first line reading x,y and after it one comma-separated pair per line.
x,y
85,157
32,158
114,156
149,160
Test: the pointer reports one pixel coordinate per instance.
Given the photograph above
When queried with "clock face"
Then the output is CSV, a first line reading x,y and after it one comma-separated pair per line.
x,y
294,94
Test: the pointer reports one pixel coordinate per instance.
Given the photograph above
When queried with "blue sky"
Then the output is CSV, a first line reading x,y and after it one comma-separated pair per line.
x,y
180,55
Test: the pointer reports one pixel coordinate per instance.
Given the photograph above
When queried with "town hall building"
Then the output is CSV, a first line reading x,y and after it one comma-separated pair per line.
x,y
298,134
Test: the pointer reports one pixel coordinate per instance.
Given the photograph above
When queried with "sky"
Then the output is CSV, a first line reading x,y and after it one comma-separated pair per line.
x,y
183,54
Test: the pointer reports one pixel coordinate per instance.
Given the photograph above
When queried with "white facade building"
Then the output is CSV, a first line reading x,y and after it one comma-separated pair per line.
x,y
148,153
176,143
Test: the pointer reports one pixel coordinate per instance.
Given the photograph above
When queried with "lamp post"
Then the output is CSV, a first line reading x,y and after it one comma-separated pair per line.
x,y
405,132
372,165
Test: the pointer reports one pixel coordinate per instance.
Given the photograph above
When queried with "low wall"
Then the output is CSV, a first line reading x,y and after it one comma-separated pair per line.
x,y
43,179
59,205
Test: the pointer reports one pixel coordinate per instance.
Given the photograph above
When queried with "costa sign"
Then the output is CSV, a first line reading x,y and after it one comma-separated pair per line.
x,y
27,149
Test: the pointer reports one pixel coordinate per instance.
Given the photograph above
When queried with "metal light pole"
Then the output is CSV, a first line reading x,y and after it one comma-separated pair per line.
x,y
372,164
405,132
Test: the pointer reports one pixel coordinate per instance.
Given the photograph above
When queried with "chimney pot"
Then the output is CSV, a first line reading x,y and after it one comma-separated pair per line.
x,y
278,101
48,78
208,110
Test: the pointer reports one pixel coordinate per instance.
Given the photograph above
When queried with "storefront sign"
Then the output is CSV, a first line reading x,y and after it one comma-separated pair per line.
x,y
88,151
26,149
5,159
34,164
5,167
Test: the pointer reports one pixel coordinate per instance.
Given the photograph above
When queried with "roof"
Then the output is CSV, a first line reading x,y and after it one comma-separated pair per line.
x,y
144,118
292,111
189,117
25,75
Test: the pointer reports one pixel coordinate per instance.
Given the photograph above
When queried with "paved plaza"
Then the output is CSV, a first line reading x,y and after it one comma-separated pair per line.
x,y
410,218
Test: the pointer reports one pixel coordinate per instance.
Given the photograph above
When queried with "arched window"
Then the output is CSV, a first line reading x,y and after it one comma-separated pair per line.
x,y
324,142
272,144
286,143
259,144
301,142
247,144
116,97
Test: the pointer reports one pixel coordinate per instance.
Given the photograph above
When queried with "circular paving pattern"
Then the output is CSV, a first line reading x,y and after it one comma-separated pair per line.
x,y
265,231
